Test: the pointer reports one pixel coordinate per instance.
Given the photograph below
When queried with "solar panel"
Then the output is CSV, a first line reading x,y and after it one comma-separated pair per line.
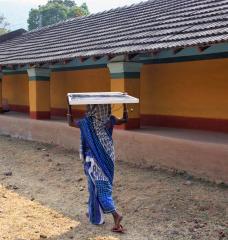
x,y
100,98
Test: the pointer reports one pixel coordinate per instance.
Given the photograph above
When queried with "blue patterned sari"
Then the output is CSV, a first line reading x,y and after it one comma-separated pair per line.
x,y
97,152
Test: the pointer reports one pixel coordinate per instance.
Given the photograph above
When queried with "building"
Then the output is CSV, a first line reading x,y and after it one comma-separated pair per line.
x,y
173,55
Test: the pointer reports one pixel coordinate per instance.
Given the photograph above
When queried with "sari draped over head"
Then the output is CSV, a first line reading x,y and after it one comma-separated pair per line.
x,y
97,152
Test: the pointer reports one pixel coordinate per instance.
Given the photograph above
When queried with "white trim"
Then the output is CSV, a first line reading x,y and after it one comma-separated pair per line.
x,y
41,72
121,67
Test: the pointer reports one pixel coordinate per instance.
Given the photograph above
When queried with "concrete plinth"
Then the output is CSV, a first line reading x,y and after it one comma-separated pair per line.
x,y
202,154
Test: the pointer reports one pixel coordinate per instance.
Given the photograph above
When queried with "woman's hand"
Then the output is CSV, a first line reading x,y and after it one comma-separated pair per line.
x,y
125,112
125,116
70,118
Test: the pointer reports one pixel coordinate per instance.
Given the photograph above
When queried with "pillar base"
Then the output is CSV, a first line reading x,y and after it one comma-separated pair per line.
x,y
133,123
40,115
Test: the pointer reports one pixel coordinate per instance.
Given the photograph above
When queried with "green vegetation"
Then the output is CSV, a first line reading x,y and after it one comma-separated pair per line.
x,y
55,11
3,25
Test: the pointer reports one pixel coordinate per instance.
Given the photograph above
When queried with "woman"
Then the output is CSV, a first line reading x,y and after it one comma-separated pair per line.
x,y
97,152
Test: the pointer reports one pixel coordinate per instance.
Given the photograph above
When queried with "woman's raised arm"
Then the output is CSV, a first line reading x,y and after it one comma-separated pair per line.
x,y
70,118
124,119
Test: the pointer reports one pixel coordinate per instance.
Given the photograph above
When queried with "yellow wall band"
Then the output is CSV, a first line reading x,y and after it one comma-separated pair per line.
x,y
132,87
39,96
15,89
191,89
88,80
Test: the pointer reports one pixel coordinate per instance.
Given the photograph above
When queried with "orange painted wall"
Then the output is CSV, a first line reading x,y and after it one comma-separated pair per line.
x,y
189,89
77,81
15,88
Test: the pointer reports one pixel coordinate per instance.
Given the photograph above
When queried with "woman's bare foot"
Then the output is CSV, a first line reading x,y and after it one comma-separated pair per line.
x,y
117,220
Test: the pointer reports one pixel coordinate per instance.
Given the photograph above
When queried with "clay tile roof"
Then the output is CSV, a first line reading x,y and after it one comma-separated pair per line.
x,y
11,35
148,26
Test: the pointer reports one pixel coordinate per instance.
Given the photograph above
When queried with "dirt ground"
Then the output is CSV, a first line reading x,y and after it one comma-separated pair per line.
x,y
43,196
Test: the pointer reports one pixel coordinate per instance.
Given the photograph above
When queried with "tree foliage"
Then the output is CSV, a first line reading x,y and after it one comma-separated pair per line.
x,y
55,11
3,25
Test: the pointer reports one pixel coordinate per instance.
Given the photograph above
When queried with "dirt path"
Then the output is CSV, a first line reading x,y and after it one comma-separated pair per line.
x,y
156,205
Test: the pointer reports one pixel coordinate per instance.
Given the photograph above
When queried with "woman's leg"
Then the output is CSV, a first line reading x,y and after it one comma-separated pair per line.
x,y
117,220
95,212
104,190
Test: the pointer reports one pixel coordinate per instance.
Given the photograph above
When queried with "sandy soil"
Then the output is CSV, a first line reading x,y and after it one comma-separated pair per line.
x,y
43,196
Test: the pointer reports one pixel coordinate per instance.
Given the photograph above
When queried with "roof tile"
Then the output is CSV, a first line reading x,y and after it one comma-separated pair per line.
x,y
148,26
